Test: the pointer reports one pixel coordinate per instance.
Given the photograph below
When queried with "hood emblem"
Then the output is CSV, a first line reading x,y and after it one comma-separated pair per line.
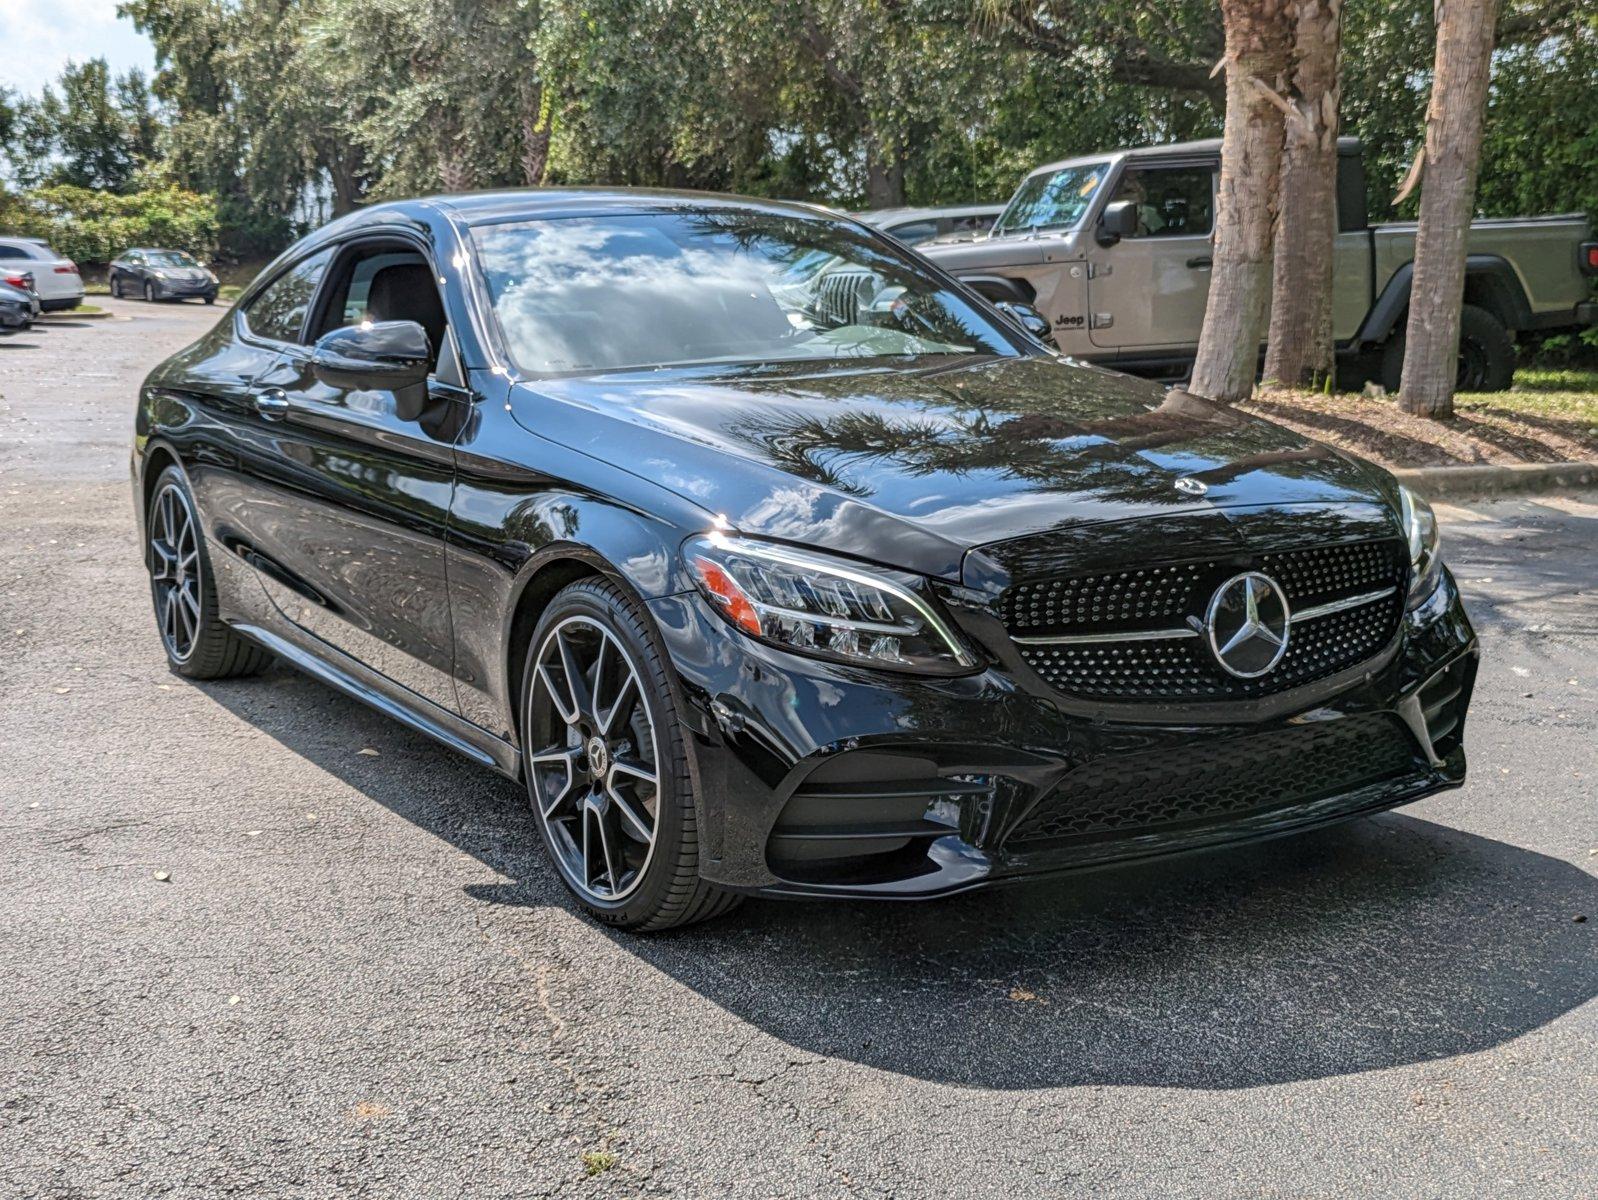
x,y
1248,624
1191,487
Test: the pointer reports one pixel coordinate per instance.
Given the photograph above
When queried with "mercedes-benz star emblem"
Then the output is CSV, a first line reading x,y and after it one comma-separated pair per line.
x,y
1191,487
1248,624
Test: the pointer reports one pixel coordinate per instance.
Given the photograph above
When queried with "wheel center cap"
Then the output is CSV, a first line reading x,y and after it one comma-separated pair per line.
x,y
598,756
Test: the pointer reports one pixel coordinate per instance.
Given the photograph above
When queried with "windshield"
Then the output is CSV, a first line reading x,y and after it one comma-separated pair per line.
x,y
1052,200
169,258
582,294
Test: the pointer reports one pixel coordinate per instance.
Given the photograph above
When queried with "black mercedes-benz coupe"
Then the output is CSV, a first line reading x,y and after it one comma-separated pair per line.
x,y
774,560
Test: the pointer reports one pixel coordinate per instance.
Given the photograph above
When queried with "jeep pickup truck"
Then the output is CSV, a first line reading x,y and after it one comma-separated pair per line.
x,y
1114,251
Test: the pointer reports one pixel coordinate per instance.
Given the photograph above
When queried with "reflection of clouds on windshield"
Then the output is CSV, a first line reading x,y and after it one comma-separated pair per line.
x,y
574,294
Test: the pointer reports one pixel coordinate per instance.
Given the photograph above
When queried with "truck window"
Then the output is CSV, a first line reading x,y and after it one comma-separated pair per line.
x,y
1171,201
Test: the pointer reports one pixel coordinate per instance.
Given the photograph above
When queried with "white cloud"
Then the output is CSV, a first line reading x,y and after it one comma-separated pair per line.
x,y
39,37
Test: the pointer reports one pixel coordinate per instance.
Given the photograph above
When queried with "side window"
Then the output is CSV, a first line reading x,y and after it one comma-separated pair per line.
x,y
915,231
1171,201
383,281
279,312
134,259
12,251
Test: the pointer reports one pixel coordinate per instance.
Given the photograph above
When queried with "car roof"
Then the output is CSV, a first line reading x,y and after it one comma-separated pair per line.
x,y
884,216
1202,147
508,204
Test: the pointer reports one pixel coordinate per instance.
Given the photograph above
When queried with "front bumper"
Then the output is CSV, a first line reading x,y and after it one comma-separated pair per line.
x,y
167,289
821,780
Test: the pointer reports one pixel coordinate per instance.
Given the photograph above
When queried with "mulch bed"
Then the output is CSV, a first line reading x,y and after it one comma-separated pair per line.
x,y
1482,431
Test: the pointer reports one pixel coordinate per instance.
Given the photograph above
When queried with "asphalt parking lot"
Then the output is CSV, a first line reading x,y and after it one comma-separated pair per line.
x,y
361,978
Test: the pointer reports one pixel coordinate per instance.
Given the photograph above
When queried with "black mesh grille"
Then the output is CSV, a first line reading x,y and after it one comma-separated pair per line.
x,y
1197,784
1175,596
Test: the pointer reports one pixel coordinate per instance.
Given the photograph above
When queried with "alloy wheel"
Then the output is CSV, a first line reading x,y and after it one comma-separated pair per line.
x,y
596,778
175,570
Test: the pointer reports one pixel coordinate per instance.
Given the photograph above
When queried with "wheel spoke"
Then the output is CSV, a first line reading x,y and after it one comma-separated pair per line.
x,y
568,711
607,855
626,695
637,770
632,824
567,758
164,561
576,681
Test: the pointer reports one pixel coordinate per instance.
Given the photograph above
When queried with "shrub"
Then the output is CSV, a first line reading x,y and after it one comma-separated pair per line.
x,y
94,227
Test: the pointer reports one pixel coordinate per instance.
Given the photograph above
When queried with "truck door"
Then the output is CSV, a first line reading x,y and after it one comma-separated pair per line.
x,y
1147,292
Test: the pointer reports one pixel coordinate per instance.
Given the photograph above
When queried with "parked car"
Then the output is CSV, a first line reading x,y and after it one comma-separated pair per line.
x,y
913,226
55,278
781,590
23,281
18,308
162,275
1114,250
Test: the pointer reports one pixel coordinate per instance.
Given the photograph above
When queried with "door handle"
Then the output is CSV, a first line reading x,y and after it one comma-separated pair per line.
x,y
273,404
1202,263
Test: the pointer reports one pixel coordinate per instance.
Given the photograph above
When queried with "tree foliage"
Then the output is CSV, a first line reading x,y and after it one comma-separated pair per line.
x,y
90,130
291,111
94,226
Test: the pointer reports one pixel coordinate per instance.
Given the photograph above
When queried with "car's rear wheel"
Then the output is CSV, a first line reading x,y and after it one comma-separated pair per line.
x,y
606,768
198,645
1486,354
149,292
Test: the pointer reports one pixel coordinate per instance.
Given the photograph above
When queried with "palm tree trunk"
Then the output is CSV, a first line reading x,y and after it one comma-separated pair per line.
x,y
1448,198
1298,349
1257,42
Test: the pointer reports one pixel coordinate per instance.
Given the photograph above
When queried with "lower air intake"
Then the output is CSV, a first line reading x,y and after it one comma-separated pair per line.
x,y
1229,779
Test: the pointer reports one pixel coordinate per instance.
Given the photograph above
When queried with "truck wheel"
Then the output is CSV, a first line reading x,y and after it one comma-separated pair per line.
x,y
1486,354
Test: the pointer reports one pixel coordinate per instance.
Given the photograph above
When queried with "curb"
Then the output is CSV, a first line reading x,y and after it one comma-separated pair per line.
x,y
1453,483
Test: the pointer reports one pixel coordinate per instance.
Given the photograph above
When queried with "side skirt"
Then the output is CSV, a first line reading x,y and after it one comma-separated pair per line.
x,y
331,666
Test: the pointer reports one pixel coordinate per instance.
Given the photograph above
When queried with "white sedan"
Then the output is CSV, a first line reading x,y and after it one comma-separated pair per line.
x,y
56,279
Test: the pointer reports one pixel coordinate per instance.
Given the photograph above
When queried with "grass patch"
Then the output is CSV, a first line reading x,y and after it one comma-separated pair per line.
x,y
597,1162
229,292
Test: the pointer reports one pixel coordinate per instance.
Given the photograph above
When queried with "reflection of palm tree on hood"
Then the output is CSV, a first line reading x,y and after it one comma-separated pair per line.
x,y
968,440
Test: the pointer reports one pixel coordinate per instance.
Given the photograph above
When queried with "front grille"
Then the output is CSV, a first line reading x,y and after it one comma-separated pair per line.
x,y
1198,783
1091,613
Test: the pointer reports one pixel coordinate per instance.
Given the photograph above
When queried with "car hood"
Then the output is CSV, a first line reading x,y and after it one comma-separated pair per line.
x,y
915,467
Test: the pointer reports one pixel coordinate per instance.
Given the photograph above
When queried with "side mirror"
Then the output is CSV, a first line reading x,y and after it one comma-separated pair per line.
x,y
373,356
1027,317
1119,221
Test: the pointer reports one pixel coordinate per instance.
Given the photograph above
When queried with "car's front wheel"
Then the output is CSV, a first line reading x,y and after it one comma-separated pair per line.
x,y
197,644
606,768
149,292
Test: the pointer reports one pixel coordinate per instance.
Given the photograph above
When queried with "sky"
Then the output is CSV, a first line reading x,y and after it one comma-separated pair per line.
x,y
39,37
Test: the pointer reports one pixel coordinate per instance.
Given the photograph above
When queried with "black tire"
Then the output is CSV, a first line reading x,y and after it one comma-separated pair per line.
x,y
666,890
116,287
197,644
210,299
1486,353
149,292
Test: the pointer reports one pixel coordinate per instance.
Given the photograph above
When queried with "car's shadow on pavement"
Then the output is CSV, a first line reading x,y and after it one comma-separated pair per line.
x,y
1384,942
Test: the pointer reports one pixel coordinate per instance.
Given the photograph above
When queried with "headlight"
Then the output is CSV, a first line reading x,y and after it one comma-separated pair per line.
x,y
1420,529
815,604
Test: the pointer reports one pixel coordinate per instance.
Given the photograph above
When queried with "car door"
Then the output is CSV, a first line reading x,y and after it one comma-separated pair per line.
x,y
1147,292
355,502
